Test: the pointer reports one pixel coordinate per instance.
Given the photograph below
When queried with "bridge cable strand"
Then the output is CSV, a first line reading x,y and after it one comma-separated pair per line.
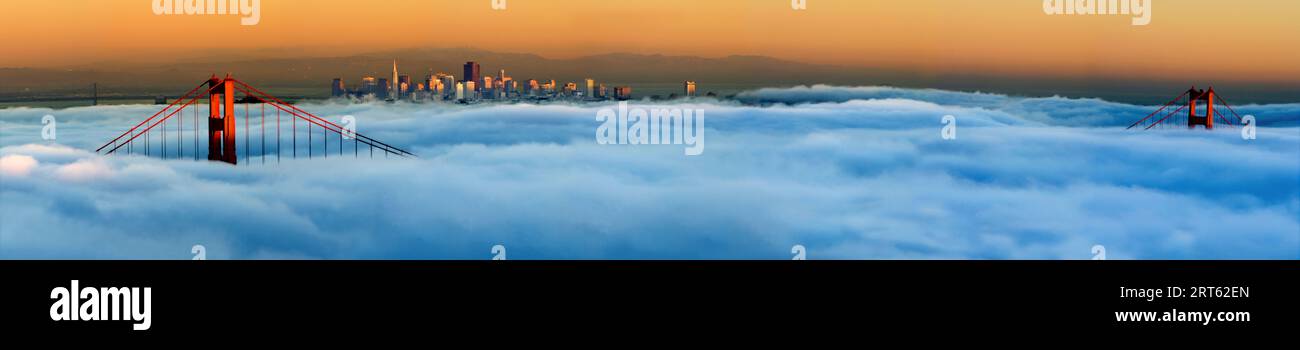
x,y
336,129
326,124
1162,120
329,127
1166,105
1225,103
151,126
128,131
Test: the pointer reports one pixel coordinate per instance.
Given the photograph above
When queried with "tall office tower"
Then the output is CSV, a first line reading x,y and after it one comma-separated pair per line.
x,y
381,89
623,93
404,85
460,91
393,90
570,88
504,82
471,88
484,86
368,85
337,89
590,90
602,92
448,82
471,72
531,88
690,88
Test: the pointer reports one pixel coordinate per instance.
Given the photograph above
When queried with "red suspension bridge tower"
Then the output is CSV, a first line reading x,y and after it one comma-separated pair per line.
x,y
221,121
1194,119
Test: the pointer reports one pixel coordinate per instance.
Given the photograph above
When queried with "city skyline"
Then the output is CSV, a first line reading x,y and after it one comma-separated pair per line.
x,y
474,87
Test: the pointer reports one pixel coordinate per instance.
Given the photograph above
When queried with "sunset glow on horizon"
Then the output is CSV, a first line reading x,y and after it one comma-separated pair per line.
x,y
1204,39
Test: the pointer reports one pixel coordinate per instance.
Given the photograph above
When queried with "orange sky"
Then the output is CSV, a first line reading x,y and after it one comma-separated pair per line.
x,y
1255,40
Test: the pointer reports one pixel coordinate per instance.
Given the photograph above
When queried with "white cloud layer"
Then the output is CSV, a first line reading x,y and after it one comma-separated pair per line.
x,y
851,173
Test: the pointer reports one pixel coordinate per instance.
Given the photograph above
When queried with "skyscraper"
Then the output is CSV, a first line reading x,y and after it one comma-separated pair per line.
x,y
369,86
506,83
471,73
393,90
590,90
403,85
690,88
622,93
448,82
337,89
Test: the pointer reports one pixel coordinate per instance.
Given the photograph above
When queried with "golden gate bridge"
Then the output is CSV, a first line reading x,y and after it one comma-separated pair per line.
x,y
1191,100
223,122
